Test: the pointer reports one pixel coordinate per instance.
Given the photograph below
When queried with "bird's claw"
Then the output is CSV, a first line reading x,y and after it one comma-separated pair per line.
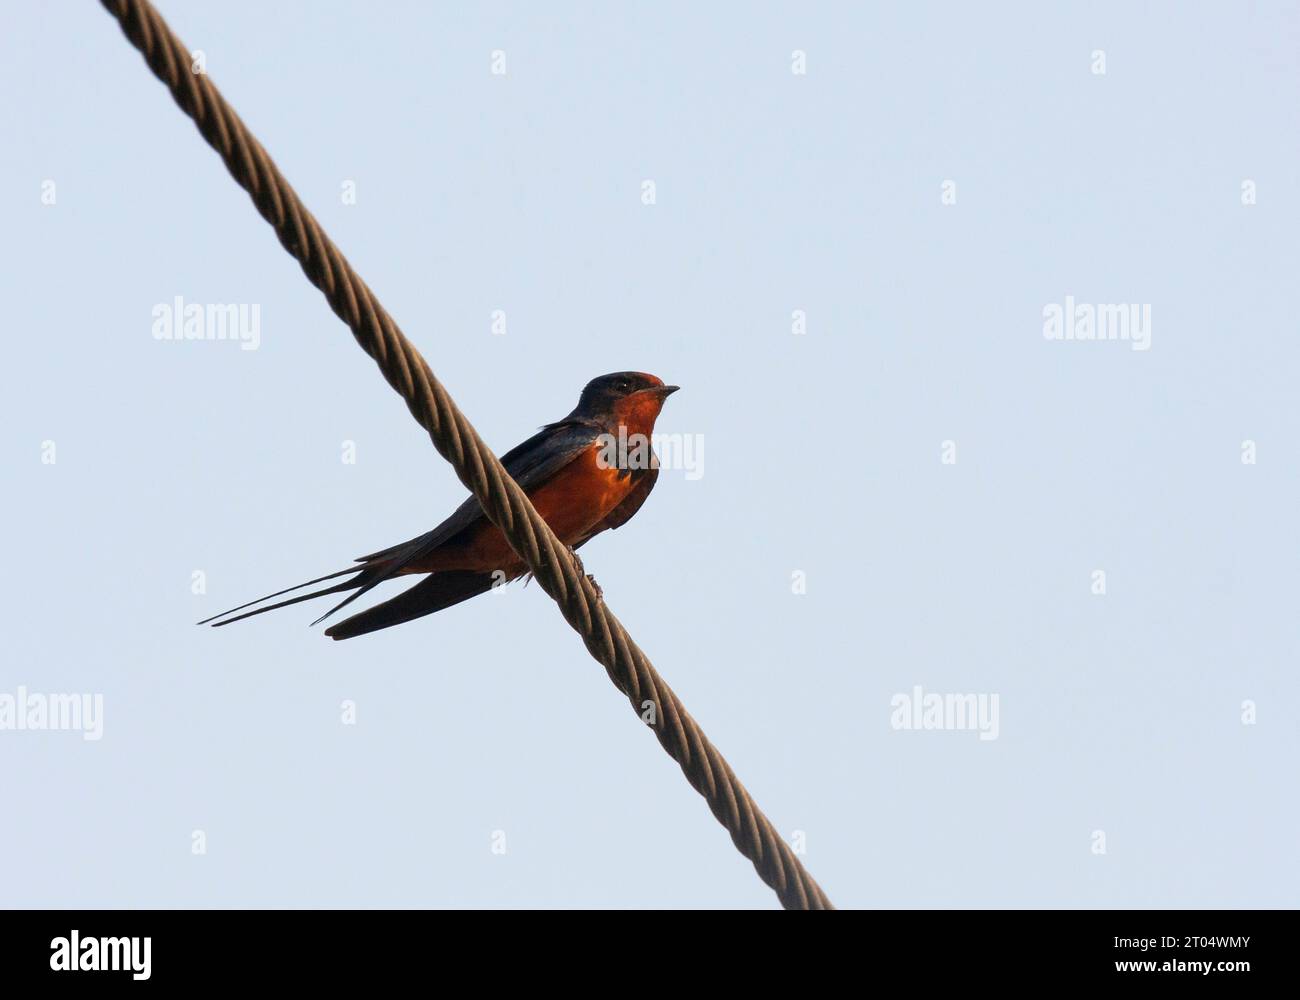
x,y
583,570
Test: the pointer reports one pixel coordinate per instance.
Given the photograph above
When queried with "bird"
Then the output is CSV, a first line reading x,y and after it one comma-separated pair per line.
x,y
585,474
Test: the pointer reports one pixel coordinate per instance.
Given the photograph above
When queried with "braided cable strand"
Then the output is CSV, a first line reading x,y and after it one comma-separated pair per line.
x,y
505,503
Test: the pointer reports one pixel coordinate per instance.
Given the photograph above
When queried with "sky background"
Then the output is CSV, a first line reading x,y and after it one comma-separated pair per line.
x,y
775,192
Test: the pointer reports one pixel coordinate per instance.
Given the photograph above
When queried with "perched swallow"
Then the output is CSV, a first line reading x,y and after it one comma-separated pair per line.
x,y
575,471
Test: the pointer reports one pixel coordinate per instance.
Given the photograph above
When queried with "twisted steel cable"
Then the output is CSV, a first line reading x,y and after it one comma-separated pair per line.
x,y
553,565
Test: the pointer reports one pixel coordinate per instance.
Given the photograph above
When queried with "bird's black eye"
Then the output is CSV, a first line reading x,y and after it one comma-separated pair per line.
x,y
624,384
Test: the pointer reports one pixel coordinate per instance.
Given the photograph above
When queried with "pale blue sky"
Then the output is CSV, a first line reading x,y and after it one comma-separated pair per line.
x,y
775,193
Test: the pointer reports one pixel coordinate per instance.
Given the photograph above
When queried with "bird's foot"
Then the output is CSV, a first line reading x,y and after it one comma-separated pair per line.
x,y
583,570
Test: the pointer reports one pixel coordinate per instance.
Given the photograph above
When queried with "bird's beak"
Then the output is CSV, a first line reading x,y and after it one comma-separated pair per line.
x,y
667,390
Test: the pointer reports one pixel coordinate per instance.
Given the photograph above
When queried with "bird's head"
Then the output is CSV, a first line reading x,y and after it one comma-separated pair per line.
x,y
624,397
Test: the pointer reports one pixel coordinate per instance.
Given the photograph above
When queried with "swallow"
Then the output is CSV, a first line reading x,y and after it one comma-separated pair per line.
x,y
578,472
